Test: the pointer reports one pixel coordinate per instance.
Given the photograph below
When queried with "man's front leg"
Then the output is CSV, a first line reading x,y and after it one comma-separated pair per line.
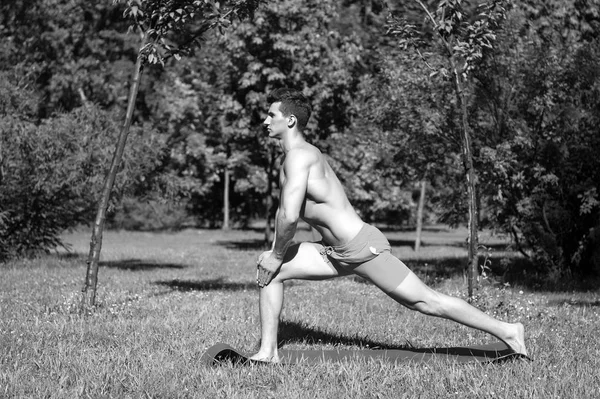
x,y
270,304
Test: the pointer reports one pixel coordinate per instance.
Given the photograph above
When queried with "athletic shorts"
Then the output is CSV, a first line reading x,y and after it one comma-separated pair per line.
x,y
369,256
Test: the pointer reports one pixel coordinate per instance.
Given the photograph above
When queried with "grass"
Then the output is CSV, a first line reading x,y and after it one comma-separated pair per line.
x,y
163,299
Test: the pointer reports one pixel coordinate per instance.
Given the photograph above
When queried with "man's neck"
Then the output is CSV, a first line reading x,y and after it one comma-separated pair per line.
x,y
291,140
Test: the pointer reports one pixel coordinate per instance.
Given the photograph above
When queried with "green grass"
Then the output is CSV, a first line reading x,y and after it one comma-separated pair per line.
x,y
163,299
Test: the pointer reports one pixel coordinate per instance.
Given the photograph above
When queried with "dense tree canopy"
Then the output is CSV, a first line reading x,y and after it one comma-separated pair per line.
x,y
383,120
538,107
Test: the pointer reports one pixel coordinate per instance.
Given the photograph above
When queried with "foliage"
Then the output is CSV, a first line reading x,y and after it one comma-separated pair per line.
x,y
379,115
54,169
460,39
538,106
212,105
535,112
464,33
400,118
291,44
175,28
80,51
363,167
149,214
422,117
306,46
208,132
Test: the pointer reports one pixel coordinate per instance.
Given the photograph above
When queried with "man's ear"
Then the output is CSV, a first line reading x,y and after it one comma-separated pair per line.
x,y
292,121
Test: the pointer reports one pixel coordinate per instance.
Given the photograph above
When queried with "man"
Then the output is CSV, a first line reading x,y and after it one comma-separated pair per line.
x,y
310,190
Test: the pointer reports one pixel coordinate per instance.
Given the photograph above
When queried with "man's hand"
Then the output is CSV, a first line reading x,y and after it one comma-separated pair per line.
x,y
266,268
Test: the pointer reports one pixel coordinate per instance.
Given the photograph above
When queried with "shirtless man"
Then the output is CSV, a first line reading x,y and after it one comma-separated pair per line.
x,y
310,190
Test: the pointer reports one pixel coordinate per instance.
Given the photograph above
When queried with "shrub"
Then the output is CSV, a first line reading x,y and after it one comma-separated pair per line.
x,y
544,178
54,171
149,215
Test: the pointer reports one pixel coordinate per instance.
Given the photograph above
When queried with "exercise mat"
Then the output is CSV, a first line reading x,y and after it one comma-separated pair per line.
x,y
493,352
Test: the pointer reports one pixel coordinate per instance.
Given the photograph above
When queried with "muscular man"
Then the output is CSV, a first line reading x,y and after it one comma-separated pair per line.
x,y
310,190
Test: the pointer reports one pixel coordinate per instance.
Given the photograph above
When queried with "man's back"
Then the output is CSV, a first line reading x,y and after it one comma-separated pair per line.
x,y
326,206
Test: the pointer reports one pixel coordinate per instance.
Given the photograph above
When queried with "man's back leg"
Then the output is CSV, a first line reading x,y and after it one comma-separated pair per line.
x,y
414,294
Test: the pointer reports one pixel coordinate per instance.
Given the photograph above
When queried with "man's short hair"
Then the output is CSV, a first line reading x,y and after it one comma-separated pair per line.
x,y
293,102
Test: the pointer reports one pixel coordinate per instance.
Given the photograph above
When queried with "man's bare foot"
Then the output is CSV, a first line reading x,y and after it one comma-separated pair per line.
x,y
266,358
516,339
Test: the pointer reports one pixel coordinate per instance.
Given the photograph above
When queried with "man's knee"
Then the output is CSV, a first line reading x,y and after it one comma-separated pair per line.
x,y
432,304
426,308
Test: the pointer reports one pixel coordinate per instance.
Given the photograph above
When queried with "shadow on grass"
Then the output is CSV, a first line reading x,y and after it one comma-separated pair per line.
x,y
577,303
411,243
217,284
515,270
292,333
261,229
139,264
244,245
446,243
68,255
404,229
501,270
438,267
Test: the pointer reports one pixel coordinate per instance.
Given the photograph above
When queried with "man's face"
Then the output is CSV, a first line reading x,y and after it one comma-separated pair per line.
x,y
275,122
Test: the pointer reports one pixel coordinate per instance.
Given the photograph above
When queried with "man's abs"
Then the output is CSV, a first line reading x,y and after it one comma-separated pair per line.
x,y
326,206
336,227
328,210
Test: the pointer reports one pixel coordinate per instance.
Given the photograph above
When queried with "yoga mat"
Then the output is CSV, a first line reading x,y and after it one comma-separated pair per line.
x,y
488,353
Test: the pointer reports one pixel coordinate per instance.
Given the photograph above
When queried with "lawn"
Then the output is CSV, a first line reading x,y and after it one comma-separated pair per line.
x,y
163,299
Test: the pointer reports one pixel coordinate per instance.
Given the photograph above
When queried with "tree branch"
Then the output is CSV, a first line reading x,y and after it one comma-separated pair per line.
x,y
435,25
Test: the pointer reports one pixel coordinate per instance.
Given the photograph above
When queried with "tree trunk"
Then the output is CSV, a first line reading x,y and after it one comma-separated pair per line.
x,y
473,229
88,299
226,200
420,215
467,152
1,161
467,149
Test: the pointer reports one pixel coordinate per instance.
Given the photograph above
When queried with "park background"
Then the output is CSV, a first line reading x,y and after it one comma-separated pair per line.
x,y
195,195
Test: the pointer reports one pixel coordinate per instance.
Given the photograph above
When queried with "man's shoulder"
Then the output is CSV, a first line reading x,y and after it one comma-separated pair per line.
x,y
302,155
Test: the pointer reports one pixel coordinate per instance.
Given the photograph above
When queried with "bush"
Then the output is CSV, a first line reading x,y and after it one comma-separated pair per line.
x,y
544,178
53,172
149,215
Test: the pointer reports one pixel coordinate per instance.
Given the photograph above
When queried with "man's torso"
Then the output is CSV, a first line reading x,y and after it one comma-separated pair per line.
x,y
326,207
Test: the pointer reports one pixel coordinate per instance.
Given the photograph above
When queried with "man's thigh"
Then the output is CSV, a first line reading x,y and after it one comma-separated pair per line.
x,y
305,261
385,271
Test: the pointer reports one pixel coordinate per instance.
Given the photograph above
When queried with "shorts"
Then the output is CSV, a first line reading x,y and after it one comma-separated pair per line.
x,y
369,256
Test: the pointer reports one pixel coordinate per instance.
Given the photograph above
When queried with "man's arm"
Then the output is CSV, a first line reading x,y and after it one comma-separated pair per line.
x,y
293,192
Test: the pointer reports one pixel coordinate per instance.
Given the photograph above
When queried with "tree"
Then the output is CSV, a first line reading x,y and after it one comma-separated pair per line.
x,y
78,46
72,61
401,116
289,44
156,21
537,103
462,41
